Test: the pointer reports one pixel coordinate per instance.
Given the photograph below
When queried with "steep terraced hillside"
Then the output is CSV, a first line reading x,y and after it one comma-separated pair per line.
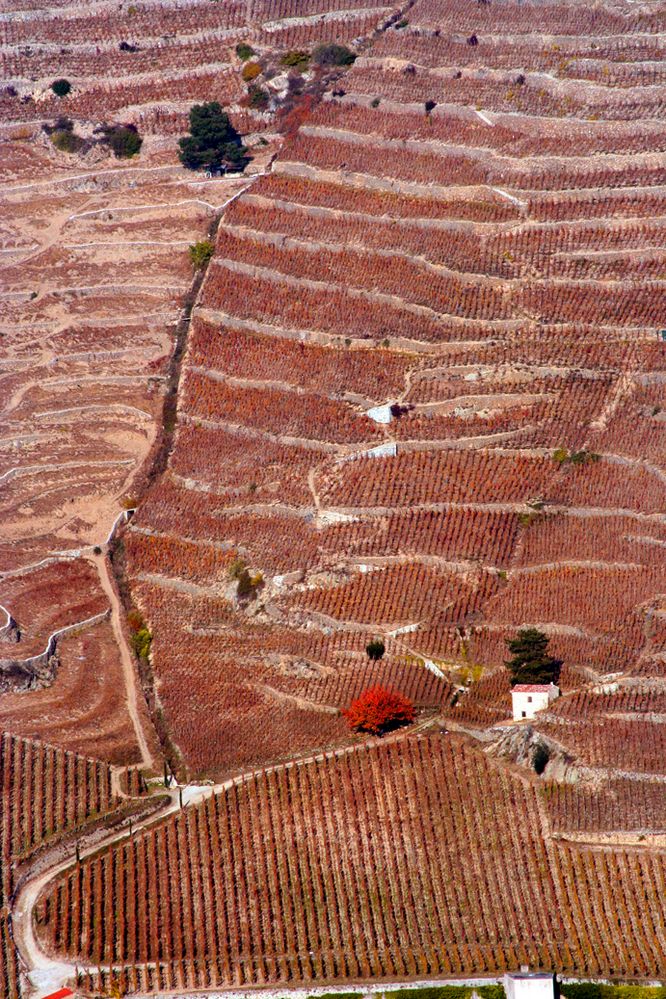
x,y
421,400
423,391
95,278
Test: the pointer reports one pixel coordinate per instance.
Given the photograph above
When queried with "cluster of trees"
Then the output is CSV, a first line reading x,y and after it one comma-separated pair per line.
x,y
213,143
123,140
333,55
140,635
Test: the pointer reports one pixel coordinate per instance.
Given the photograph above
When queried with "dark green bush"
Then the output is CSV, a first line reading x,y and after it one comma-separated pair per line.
x,y
244,51
258,98
375,649
433,992
201,252
540,759
141,642
244,587
236,567
562,457
590,990
66,141
333,55
61,87
491,991
123,140
297,57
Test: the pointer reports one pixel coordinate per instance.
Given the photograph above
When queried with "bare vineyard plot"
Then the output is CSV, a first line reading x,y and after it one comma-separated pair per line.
x,y
613,743
45,792
96,273
421,401
90,677
636,806
403,254
50,597
384,894
250,354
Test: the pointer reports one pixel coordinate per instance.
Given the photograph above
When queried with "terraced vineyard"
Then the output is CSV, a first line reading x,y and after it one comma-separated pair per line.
x,y
421,400
95,268
45,792
422,391
419,858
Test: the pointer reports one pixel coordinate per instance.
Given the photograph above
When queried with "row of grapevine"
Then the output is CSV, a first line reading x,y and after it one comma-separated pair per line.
x,y
114,96
443,870
501,95
288,414
10,986
614,744
396,595
346,198
512,136
46,791
555,19
50,597
618,806
596,599
577,55
250,354
625,698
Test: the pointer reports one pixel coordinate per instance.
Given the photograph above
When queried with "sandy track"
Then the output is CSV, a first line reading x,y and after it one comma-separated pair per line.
x,y
126,658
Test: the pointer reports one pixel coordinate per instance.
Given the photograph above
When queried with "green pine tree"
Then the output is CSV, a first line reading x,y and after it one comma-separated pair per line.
x,y
530,662
213,141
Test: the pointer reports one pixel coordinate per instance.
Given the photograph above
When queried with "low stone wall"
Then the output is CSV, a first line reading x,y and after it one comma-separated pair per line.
x,y
37,671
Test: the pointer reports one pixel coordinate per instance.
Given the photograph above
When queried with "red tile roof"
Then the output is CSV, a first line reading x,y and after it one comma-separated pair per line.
x,y
531,688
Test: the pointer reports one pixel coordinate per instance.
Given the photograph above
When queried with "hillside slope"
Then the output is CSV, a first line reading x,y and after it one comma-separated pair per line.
x,y
423,387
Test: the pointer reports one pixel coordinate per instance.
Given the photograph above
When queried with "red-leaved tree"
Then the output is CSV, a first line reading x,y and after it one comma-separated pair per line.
x,y
378,710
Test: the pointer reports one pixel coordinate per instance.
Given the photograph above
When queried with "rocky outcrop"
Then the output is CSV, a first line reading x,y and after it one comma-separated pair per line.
x,y
523,745
28,674
10,632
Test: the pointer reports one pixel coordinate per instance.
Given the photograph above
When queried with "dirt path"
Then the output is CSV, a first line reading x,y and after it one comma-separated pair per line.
x,y
126,659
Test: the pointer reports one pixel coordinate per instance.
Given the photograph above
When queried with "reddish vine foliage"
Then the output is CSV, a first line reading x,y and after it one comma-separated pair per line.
x,y
378,710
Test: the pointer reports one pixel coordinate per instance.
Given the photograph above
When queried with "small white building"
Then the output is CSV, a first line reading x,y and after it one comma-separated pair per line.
x,y
381,414
528,698
523,985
